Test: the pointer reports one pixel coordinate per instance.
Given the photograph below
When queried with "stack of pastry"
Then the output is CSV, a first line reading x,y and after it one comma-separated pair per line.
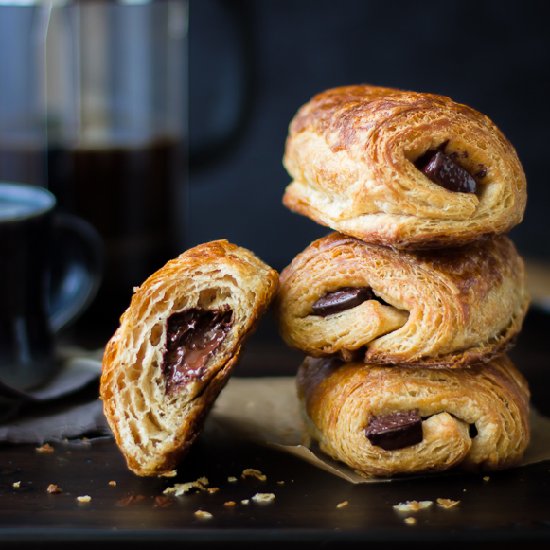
x,y
406,310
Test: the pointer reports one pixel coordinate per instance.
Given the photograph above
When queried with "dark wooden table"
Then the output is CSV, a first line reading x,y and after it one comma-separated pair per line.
x,y
509,507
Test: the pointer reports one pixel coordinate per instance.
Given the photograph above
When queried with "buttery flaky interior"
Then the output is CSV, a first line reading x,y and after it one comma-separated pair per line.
x,y
353,154
475,418
445,307
175,348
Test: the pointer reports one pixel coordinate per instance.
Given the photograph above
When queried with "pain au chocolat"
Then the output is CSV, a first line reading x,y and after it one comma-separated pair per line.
x,y
448,307
402,169
384,421
176,346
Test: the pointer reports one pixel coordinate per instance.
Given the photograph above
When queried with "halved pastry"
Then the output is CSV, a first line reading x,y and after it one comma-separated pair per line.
x,y
400,168
342,296
175,348
391,420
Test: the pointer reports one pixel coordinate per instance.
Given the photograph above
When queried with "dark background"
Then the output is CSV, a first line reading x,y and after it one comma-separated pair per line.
x,y
252,64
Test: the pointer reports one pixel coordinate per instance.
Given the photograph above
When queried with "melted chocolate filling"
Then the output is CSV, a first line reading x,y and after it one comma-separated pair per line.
x,y
342,299
442,169
396,430
193,337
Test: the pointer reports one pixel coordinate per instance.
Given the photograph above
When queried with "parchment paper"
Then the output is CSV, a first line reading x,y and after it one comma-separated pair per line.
x,y
262,410
266,411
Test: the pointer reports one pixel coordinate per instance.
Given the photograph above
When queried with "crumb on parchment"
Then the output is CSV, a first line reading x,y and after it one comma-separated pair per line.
x,y
410,520
16,485
342,504
84,499
54,489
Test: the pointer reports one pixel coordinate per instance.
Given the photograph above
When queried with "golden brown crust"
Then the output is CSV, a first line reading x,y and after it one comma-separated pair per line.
x,y
153,427
339,400
445,307
350,152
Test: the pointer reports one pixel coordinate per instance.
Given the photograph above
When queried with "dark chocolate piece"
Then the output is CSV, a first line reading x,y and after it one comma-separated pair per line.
x,y
193,337
396,430
442,169
342,299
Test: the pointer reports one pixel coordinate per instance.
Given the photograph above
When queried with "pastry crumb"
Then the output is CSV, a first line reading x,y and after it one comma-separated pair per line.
x,y
170,473
46,448
251,472
447,502
245,501
112,483
130,499
182,488
162,501
412,505
203,514
486,478
54,489
16,484
84,499
410,520
212,490
281,482
232,479
230,503
263,498
342,504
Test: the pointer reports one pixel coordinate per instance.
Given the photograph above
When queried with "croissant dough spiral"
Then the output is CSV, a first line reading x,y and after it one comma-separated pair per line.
x,y
339,400
350,152
446,307
153,426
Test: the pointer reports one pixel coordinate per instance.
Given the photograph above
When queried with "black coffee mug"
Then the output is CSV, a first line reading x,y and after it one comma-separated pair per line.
x,y
51,266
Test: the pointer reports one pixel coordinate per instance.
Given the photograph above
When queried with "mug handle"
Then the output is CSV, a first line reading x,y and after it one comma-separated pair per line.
x,y
76,271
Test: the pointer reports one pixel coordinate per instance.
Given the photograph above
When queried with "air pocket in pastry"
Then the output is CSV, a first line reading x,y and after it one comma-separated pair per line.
x,y
400,168
175,348
391,420
342,296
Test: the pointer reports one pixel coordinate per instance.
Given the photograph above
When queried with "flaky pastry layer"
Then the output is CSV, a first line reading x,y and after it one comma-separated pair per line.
x,y
473,418
351,154
154,425
440,307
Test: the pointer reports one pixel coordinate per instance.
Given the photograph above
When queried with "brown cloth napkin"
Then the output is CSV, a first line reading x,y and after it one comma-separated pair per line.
x,y
65,408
